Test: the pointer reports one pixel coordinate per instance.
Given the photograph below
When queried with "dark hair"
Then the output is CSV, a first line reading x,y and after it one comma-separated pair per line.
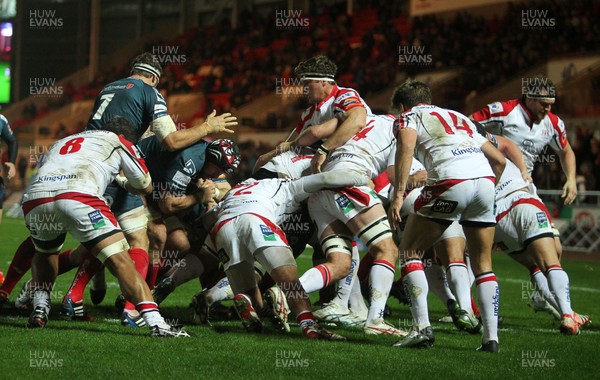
x,y
149,60
122,126
411,93
317,65
539,86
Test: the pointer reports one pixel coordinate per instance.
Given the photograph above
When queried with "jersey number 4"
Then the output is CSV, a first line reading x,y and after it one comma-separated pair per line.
x,y
71,146
105,100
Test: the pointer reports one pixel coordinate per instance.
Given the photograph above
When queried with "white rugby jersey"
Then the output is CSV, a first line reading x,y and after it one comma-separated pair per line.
x,y
289,164
511,180
87,162
371,150
512,120
340,100
269,198
448,144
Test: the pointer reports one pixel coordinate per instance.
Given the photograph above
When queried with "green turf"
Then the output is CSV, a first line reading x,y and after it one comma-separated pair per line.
x,y
531,346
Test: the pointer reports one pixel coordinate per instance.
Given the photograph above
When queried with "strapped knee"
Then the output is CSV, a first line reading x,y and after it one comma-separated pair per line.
x,y
375,232
112,249
337,243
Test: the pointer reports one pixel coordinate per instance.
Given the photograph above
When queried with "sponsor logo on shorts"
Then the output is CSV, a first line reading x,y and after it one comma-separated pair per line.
x,y
267,232
444,206
344,202
542,219
96,219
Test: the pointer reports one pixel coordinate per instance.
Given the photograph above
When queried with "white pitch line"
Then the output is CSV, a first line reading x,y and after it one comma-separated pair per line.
x,y
578,288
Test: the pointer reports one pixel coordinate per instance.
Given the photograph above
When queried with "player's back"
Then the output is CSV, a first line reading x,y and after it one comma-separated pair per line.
x,y
290,164
370,150
270,198
85,162
130,98
448,144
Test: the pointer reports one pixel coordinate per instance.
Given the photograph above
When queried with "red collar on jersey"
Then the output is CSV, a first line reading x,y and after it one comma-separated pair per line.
x,y
333,93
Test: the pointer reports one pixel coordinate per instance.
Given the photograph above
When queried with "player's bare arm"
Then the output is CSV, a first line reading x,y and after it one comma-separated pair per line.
x,y
173,204
567,161
407,139
512,151
355,119
495,158
185,137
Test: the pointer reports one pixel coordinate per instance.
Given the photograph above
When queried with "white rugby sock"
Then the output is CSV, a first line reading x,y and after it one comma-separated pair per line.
x,y
558,281
220,292
458,280
436,280
356,301
541,288
380,283
488,297
416,289
345,285
315,278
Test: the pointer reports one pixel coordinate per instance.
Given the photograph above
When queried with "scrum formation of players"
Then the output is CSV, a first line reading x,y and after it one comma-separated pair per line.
x,y
423,183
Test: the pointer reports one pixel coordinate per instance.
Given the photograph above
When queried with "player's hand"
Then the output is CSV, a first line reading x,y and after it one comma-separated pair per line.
x,y
317,161
417,179
569,192
221,123
208,189
394,212
526,176
283,147
10,169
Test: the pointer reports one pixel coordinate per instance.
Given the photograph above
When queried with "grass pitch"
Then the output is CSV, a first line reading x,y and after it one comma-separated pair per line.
x,y
530,344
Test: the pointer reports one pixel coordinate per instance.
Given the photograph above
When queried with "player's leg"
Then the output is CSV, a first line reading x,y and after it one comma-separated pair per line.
x,y
479,243
280,264
133,221
452,252
19,265
336,243
419,235
558,281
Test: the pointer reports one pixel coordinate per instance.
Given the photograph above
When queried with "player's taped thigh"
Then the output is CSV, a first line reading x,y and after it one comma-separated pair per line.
x,y
113,249
274,257
241,277
337,243
133,220
375,232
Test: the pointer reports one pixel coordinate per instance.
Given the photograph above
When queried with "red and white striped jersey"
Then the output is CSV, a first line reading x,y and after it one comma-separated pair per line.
x,y
340,100
512,120
370,151
290,164
448,144
87,162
